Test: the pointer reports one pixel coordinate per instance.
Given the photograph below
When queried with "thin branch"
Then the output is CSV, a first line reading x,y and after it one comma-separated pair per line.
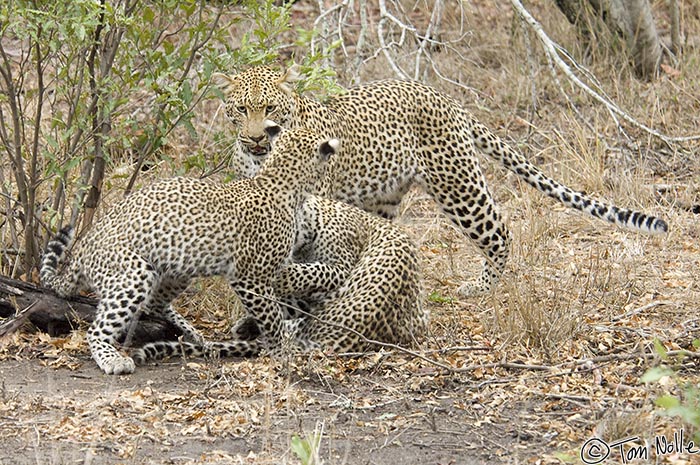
x,y
641,309
385,16
555,370
355,332
433,25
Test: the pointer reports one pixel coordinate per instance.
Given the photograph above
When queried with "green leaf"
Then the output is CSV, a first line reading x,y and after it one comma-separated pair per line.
x,y
439,298
186,92
660,349
566,458
667,401
168,47
72,163
654,374
148,15
80,31
302,449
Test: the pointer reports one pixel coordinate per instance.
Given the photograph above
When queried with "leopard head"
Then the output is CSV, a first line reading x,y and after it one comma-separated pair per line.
x,y
298,156
253,96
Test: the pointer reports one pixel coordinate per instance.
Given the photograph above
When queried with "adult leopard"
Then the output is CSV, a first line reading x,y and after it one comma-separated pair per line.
x,y
146,249
395,134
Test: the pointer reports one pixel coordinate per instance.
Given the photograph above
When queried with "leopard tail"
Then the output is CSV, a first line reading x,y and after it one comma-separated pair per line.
x,y
493,146
64,284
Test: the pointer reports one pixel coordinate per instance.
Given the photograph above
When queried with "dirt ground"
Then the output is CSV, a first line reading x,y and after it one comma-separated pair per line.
x,y
175,414
524,375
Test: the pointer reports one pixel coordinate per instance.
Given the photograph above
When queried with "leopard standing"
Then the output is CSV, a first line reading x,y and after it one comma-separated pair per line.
x,y
146,249
395,134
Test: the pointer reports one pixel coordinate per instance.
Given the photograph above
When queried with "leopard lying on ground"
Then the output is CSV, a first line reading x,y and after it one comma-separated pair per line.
x,y
396,133
144,251
356,273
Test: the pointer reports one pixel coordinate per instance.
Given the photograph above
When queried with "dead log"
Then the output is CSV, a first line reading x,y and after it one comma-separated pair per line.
x,y
22,303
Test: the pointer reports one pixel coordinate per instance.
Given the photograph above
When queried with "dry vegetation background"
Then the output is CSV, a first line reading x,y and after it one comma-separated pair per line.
x,y
526,374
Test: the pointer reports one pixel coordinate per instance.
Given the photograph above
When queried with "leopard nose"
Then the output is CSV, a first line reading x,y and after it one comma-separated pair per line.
x,y
257,139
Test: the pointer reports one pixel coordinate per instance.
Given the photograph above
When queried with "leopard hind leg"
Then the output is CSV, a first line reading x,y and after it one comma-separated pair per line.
x,y
161,304
193,344
458,186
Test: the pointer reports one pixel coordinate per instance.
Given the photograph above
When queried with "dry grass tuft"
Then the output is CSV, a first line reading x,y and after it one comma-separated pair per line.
x,y
621,424
524,316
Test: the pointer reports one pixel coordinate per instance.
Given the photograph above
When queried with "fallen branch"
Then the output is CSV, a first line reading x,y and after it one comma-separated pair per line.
x,y
22,303
641,309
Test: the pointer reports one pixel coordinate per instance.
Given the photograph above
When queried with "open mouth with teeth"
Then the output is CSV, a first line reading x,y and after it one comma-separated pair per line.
x,y
258,150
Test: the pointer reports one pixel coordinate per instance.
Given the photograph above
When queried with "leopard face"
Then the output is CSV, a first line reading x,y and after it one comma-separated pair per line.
x,y
252,98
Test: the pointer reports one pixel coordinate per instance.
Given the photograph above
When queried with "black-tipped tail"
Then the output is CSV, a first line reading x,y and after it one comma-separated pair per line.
x,y
638,221
53,254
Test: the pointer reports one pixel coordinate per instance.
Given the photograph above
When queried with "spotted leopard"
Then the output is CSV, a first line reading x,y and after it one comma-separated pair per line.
x,y
395,134
358,277
147,248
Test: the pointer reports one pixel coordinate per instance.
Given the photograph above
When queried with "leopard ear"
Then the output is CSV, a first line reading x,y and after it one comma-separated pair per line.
x,y
289,77
328,148
272,129
223,81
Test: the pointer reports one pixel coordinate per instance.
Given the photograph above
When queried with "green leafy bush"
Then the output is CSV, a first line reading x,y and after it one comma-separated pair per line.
x,y
685,404
87,85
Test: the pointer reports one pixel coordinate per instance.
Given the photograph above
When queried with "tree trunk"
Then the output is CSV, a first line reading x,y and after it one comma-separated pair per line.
x,y
631,20
642,38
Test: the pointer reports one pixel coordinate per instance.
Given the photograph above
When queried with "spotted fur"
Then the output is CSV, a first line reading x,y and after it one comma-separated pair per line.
x,y
358,276
395,134
146,249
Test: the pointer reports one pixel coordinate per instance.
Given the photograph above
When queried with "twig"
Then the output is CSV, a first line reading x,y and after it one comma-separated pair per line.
x,y
623,357
507,365
433,25
361,39
321,24
355,332
641,309
18,320
555,370
385,15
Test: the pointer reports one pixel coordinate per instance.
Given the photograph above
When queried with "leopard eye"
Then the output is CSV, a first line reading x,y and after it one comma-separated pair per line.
x,y
241,110
270,109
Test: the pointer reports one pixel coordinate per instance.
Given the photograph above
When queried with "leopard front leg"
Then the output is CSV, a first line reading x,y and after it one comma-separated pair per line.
x,y
123,296
112,321
262,304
